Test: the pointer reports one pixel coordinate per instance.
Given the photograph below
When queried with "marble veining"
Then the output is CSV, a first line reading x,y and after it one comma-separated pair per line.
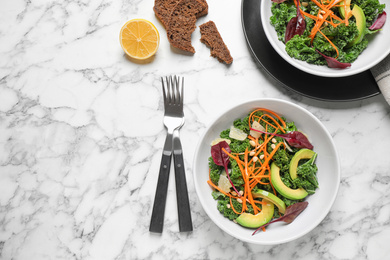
x,y
81,137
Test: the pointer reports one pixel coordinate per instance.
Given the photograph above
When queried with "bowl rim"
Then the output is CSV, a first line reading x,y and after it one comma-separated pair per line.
x,y
302,65
203,202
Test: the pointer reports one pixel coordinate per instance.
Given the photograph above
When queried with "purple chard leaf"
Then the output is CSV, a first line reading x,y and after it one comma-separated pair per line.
x,y
279,1
296,26
295,139
298,140
379,22
291,213
222,159
333,63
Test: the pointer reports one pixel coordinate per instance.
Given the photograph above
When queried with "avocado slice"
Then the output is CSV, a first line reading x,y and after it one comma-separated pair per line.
x,y
301,154
282,188
342,10
254,221
272,198
360,23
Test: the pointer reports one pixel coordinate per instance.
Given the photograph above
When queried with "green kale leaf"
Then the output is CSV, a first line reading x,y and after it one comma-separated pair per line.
x,y
217,195
351,54
282,160
227,211
215,171
290,127
242,124
298,48
225,134
239,146
306,176
235,174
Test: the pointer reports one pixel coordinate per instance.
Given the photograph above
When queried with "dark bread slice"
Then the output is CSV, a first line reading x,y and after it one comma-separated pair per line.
x,y
182,23
211,37
164,8
206,9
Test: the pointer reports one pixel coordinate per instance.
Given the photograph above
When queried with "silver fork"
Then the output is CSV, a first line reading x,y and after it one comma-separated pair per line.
x,y
173,121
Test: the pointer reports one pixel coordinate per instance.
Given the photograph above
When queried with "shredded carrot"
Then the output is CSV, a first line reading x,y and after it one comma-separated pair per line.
x,y
331,43
247,188
217,188
347,14
320,21
261,119
253,172
278,126
326,16
250,177
232,207
268,111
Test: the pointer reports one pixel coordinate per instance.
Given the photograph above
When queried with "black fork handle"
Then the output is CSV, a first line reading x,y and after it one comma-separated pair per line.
x,y
183,204
157,220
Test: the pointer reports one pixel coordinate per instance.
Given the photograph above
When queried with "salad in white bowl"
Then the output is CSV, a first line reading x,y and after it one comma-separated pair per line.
x,y
260,178
331,38
261,169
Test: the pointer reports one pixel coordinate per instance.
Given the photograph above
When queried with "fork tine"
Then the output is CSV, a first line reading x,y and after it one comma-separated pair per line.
x,y
173,81
169,87
173,86
177,96
164,91
182,91
173,90
178,87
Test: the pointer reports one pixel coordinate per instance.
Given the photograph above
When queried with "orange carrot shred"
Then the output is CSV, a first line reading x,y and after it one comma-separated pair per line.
x,y
232,207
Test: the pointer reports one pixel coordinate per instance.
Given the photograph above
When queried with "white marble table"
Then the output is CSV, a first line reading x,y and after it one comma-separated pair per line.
x,y
81,137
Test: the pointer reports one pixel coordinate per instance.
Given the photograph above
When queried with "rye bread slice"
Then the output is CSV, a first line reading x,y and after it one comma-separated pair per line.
x,y
211,37
205,10
164,8
182,23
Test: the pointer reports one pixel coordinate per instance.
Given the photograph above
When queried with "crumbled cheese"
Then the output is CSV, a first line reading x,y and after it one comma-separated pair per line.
x,y
224,183
218,140
256,125
237,134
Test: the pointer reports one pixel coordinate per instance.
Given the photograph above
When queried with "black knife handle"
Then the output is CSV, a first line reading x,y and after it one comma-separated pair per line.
x,y
157,220
183,204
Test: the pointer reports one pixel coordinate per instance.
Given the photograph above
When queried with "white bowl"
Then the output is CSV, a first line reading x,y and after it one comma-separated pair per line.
x,y
378,48
319,203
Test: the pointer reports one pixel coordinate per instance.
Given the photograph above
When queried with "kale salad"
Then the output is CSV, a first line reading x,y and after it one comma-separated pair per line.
x,y
327,32
261,170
